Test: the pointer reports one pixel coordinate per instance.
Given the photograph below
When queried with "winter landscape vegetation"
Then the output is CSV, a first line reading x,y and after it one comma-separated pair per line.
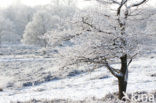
x,y
78,51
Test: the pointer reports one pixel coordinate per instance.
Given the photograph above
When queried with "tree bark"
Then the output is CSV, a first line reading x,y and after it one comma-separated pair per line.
x,y
122,81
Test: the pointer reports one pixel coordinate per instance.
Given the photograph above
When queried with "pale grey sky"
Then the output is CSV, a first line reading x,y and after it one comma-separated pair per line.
x,y
81,4
6,3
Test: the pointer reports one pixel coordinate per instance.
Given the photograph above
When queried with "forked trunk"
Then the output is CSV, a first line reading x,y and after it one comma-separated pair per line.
x,y
122,81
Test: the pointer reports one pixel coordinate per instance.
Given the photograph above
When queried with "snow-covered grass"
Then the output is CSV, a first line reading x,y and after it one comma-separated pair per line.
x,y
109,98
26,73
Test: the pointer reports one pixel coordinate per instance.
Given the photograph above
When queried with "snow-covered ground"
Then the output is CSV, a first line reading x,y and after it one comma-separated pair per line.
x,y
27,73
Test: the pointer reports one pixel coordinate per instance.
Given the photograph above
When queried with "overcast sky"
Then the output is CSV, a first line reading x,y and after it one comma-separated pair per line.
x,y
81,4
6,3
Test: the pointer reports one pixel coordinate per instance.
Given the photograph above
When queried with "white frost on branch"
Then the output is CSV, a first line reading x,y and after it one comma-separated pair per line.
x,y
98,34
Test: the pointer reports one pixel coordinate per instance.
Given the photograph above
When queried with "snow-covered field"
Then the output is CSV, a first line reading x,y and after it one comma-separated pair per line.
x,y
28,73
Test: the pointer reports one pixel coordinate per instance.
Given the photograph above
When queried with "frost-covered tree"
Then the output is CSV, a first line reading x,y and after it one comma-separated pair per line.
x,y
103,35
6,30
44,21
19,15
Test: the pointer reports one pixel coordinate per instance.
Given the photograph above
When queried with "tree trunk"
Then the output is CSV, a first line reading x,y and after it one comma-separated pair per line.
x,y
122,81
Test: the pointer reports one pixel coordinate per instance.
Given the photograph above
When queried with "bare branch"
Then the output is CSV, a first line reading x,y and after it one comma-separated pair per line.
x,y
96,60
137,4
121,5
102,60
94,27
115,72
131,59
110,2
